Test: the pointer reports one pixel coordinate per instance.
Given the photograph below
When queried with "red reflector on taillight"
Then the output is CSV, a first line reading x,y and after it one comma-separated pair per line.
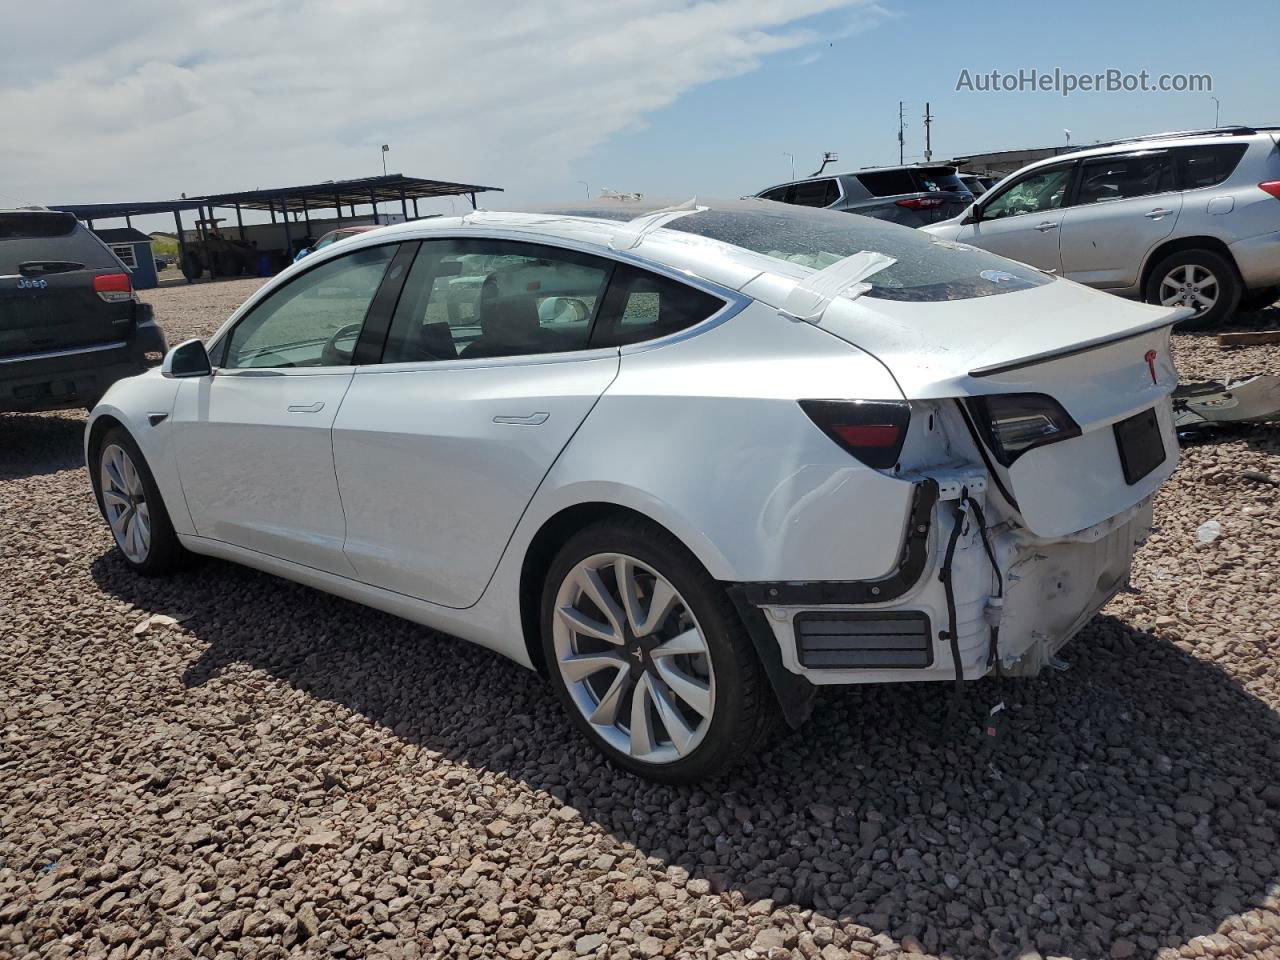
x,y
878,435
112,283
1272,187
921,203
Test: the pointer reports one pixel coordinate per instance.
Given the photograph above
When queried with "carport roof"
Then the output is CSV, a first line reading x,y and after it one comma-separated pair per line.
x,y
383,189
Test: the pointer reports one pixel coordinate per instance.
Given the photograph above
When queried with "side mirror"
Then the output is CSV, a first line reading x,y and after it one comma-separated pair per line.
x,y
188,359
972,215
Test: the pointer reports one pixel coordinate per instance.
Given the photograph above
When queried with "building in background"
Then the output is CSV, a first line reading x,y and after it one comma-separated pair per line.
x,y
133,247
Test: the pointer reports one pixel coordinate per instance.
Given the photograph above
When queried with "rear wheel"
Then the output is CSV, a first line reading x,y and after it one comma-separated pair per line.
x,y
130,501
649,657
1201,279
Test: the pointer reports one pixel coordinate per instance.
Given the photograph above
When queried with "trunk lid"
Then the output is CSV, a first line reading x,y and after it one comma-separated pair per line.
x,y
48,264
1105,360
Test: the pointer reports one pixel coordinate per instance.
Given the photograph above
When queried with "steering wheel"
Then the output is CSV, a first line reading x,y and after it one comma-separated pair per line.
x,y
334,356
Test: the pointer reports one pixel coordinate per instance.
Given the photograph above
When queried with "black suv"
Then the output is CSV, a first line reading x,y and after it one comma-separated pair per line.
x,y
70,323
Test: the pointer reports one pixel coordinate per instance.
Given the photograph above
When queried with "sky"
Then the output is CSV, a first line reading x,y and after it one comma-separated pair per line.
x,y
146,100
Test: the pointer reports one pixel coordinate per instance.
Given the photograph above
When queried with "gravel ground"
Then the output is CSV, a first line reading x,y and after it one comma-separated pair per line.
x,y
286,774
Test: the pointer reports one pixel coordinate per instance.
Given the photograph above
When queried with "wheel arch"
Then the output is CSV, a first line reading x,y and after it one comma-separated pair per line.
x,y
1178,245
542,548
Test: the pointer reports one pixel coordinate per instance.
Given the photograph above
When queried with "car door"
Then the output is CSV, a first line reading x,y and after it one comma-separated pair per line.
x,y
1122,207
497,352
254,440
1023,220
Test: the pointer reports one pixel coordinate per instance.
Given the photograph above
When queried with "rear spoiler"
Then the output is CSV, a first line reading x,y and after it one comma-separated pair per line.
x,y
1174,316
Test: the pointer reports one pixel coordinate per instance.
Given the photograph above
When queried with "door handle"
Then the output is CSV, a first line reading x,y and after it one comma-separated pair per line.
x,y
1157,214
532,420
1046,226
307,407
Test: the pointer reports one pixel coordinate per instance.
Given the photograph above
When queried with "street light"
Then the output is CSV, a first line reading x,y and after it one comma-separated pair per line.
x,y
793,163
385,148
588,186
1216,105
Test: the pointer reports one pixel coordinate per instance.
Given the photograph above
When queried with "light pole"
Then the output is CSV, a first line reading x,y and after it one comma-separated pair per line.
x,y
1216,105
587,186
793,163
385,148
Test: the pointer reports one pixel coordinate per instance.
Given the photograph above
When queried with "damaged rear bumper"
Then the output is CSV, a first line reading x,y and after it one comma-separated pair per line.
x,y
896,629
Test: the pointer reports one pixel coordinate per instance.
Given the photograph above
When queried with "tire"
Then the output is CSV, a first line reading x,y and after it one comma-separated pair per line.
x,y
1195,276
192,268
711,679
1259,299
119,472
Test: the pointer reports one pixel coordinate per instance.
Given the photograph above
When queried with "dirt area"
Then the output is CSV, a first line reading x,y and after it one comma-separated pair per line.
x,y
286,774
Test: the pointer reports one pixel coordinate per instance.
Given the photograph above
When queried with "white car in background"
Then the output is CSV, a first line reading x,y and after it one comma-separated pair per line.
x,y
1189,219
770,448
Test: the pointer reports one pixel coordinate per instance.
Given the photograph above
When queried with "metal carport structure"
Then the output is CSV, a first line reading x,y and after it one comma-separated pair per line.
x,y
286,202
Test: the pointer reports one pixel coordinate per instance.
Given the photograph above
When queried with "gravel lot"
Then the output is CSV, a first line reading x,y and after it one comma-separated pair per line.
x,y
287,774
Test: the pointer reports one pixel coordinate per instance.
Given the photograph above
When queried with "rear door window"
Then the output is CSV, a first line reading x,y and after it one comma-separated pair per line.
x,y
1209,165
1103,179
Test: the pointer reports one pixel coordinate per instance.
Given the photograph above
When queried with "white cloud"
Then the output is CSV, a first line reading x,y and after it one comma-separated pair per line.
x,y
157,98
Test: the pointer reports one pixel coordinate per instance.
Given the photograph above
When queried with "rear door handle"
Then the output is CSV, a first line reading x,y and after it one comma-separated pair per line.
x,y
307,407
1047,225
1157,214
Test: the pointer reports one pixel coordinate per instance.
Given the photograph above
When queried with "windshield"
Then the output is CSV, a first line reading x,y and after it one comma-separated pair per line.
x,y
926,268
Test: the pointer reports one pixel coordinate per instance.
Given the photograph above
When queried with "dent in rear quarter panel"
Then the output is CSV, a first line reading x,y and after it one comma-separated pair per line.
x,y
131,401
705,437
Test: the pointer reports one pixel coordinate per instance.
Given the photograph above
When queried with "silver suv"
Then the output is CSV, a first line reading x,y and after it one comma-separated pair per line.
x,y
911,195
1181,219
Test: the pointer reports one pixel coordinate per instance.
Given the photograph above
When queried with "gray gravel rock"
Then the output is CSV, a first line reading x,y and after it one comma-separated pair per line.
x,y
280,772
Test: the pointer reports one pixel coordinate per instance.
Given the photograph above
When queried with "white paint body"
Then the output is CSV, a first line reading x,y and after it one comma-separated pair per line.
x,y
393,485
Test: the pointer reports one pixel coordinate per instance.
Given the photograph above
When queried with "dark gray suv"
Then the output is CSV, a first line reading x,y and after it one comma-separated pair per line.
x,y
70,323
912,196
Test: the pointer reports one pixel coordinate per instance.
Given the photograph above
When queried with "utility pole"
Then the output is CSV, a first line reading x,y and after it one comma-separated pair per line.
x,y
901,127
928,119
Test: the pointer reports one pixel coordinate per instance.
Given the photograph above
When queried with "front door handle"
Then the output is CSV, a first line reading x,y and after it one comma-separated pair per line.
x,y
532,420
1047,225
1157,214
307,407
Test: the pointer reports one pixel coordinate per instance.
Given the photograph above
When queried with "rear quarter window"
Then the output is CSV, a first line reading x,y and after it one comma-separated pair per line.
x,y
1209,165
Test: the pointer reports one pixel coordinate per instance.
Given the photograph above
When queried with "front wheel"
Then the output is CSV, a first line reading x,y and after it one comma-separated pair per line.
x,y
130,502
1201,279
649,657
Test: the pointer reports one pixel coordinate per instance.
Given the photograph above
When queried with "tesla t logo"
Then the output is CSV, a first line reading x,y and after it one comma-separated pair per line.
x,y
1151,364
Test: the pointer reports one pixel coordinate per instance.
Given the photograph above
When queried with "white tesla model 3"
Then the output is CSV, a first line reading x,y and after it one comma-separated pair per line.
x,y
689,463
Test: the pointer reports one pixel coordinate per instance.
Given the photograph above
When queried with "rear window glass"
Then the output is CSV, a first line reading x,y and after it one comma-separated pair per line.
x,y
815,193
926,269
48,236
1209,165
891,183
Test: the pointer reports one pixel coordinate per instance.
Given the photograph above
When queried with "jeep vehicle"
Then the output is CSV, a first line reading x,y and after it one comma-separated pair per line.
x,y
70,322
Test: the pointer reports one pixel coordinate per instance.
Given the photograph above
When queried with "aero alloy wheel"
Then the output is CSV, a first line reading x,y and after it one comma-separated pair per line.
x,y
124,501
1190,285
633,658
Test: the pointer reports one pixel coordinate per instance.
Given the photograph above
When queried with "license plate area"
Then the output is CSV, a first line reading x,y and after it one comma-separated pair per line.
x,y
1140,445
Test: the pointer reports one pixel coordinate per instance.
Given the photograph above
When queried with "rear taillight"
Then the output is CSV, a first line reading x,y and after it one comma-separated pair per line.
x,y
921,203
1013,423
1272,187
113,287
871,430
